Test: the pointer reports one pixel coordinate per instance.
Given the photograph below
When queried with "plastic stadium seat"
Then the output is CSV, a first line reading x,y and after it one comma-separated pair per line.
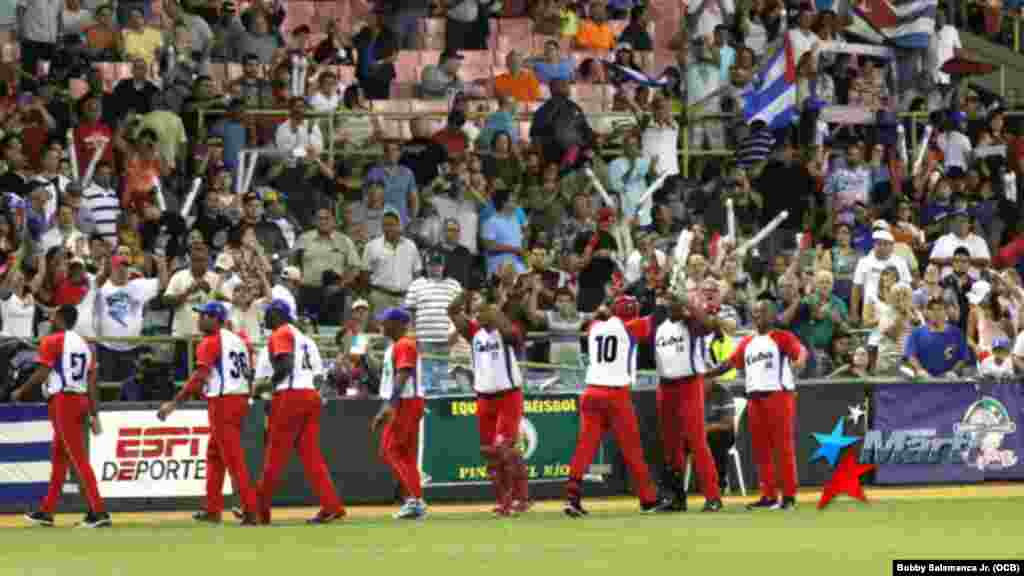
x,y
407,66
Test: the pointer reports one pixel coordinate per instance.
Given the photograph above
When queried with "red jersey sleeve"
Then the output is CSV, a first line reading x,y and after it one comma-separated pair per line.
x,y
474,327
739,354
282,341
51,349
787,343
405,354
640,328
208,351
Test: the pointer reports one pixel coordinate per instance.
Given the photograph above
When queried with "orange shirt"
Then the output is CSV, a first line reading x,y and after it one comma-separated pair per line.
x,y
100,38
523,88
593,36
139,175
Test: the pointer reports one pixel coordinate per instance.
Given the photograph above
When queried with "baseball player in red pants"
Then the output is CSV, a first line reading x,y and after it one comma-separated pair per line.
x,y
401,411
769,359
607,404
223,361
67,372
498,383
679,356
295,415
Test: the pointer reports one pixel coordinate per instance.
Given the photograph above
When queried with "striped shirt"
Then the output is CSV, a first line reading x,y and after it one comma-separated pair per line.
x,y
105,207
431,298
755,148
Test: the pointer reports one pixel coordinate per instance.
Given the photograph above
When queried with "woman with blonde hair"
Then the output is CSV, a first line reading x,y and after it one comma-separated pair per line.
x,y
878,306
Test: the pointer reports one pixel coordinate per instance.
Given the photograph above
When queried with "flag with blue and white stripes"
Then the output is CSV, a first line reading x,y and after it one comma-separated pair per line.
x,y
773,95
25,440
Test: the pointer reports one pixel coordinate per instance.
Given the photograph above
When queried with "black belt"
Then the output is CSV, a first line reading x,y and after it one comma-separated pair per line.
x,y
764,393
498,394
677,380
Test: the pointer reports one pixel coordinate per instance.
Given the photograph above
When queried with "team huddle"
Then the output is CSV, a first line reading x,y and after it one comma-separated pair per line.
x,y
226,375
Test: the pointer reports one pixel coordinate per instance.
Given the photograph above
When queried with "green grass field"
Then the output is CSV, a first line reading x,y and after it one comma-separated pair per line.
x,y
847,538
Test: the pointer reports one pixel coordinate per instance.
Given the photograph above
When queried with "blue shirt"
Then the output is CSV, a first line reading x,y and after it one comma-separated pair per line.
x,y
633,189
503,229
546,72
234,136
934,210
399,184
861,239
487,212
937,352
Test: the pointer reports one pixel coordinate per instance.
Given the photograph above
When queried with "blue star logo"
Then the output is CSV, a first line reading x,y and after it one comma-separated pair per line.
x,y
832,444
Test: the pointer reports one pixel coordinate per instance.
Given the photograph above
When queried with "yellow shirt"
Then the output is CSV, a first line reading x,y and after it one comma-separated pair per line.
x,y
142,44
722,349
570,22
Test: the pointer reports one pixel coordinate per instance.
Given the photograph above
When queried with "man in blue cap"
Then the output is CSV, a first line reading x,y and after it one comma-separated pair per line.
x,y
401,411
223,362
296,414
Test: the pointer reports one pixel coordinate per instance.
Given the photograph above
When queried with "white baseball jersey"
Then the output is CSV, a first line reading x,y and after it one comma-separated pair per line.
x,y
307,364
70,359
766,360
677,353
228,359
495,367
612,354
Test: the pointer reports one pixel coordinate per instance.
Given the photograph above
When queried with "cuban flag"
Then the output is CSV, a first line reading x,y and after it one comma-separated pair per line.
x,y
773,96
634,75
25,439
900,23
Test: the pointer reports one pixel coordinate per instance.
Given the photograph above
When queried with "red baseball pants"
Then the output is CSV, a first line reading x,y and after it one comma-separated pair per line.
x,y
399,445
771,416
67,414
603,408
224,454
295,423
681,417
498,417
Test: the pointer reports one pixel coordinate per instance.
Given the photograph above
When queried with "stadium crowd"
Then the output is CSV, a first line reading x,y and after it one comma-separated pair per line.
x,y
878,268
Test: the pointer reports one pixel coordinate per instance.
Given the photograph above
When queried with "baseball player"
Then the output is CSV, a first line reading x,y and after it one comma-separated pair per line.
x,y
223,371
498,383
295,415
606,404
679,357
401,411
769,358
67,372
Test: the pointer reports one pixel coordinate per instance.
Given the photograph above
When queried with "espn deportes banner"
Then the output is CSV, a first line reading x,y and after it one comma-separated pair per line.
x,y
138,456
450,441
992,412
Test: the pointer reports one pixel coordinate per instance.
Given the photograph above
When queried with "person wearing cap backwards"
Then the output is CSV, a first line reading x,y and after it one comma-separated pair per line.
x,y
441,80
498,383
869,270
401,392
606,404
223,373
961,236
295,410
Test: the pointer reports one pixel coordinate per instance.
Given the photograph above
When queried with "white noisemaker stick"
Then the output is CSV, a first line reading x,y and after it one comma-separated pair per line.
x,y
91,169
763,233
191,197
74,156
919,158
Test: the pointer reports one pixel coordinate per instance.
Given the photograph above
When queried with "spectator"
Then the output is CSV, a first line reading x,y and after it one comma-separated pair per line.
x,y
38,33
245,316
103,38
393,262
847,186
519,83
120,308
961,237
719,425
459,262
187,289
958,284
454,135
986,320
428,300
400,191
17,306
553,66
200,35
504,121
629,176
705,16
335,48
944,45
594,33
660,137
329,264
377,49
564,323
560,127
442,80
135,94
878,306
703,81
299,137
140,41
288,288
998,364
502,235
936,349
635,33
869,270
597,249
859,366
256,38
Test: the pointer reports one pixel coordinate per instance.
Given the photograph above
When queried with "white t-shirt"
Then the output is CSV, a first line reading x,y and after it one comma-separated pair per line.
x,y
18,315
635,265
956,147
802,42
322,103
663,142
941,49
947,244
307,134
86,325
869,270
121,308
1018,346
990,368
186,320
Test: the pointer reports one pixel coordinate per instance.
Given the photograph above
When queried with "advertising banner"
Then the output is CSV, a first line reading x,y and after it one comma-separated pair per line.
x,y
138,456
995,419
818,409
450,441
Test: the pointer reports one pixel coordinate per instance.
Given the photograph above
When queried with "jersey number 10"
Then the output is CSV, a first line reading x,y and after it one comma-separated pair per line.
x,y
607,349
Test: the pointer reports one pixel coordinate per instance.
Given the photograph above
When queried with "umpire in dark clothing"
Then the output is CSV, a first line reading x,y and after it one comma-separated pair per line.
x,y
560,127
719,416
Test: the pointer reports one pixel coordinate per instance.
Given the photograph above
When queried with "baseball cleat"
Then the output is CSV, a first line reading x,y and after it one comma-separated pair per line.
x,y
658,506
39,518
713,505
788,503
93,520
238,513
521,506
574,509
411,510
763,504
205,516
325,517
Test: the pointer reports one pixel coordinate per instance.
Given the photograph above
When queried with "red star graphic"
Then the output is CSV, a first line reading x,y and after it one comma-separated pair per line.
x,y
845,480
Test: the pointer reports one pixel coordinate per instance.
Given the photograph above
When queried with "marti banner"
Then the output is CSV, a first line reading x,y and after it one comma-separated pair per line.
x,y
450,441
138,456
916,424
